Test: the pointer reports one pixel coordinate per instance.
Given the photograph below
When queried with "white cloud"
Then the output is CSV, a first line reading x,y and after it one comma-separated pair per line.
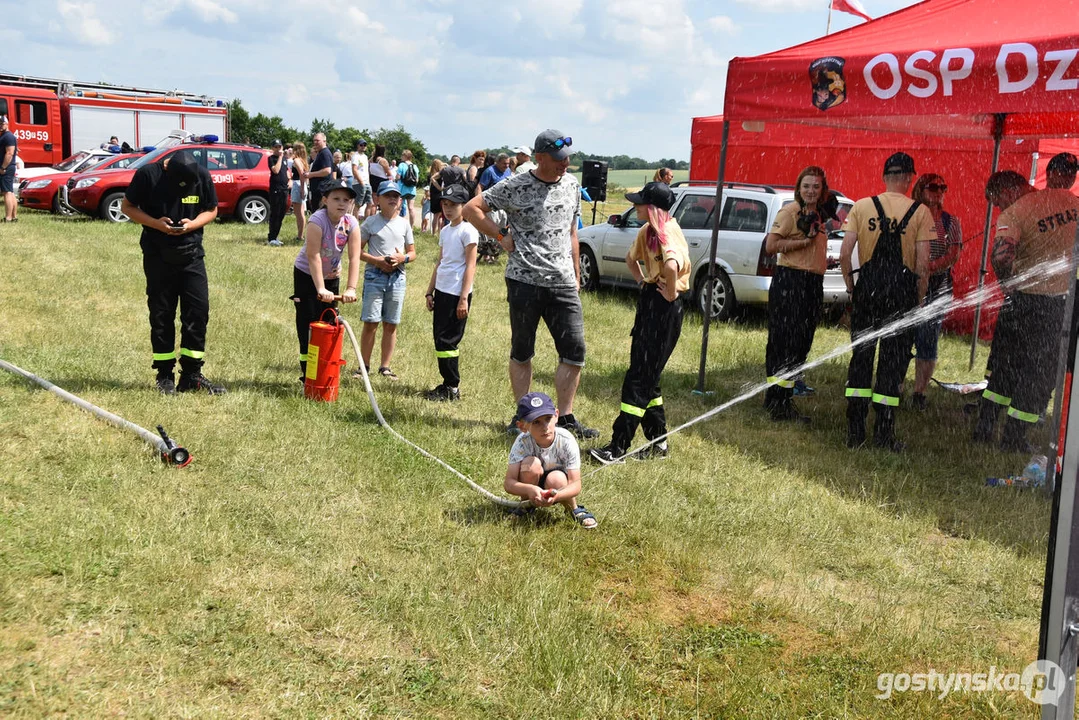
x,y
211,12
724,24
82,23
783,6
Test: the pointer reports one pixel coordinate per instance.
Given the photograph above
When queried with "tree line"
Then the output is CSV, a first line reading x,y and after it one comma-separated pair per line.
x,y
262,130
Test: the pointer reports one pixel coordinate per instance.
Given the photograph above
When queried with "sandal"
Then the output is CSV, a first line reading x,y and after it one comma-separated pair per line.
x,y
387,373
584,518
521,512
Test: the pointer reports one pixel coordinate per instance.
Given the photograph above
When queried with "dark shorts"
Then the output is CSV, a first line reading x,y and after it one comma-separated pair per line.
x,y
560,309
542,484
7,180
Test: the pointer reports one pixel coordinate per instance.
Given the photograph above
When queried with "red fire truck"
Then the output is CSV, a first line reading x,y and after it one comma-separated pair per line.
x,y
53,119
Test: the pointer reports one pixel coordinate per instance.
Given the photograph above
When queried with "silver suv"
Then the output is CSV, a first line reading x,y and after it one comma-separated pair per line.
x,y
743,271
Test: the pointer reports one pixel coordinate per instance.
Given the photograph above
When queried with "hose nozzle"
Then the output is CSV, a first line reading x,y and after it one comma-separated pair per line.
x,y
173,453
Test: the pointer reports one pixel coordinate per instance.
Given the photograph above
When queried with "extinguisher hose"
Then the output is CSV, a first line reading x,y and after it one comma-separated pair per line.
x,y
168,450
382,421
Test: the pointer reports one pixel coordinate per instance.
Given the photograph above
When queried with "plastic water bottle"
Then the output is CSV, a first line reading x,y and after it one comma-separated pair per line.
x,y
1034,472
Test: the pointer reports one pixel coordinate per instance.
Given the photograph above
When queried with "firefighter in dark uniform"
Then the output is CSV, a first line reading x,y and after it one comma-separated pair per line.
x,y
1034,227
799,234
661,248
892,234
279,190
173,200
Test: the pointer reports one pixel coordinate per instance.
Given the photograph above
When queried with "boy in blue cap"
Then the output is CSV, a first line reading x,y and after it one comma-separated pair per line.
x,y
545,462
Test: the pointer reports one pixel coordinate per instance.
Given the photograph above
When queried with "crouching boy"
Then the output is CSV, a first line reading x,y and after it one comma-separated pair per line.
x,y
545,462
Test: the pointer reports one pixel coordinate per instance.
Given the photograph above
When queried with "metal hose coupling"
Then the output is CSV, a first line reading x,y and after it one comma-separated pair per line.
x,y
173,454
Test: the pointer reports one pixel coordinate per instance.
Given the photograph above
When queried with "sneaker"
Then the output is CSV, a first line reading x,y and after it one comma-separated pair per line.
x,y
165,385
803,390
918,402
659,451
275,242
606,456
890,443
787,412
443,393
574,426
198,381
512,428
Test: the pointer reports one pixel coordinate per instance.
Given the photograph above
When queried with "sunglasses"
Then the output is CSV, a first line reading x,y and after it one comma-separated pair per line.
x,y
559,143
936,187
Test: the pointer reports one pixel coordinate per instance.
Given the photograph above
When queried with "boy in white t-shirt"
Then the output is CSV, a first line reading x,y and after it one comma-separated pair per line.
x,y
545,461
449,294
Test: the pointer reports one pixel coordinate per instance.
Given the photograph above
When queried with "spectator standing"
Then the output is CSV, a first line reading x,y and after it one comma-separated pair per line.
x,y
892,233
361,178
434,194
499,170
299,186
1034,227
388,246
8,149
322,168
453,174
664,175
380,171
474,169
408,177
523,155
496,173
279,192
173,200
344,169
943,252
543,271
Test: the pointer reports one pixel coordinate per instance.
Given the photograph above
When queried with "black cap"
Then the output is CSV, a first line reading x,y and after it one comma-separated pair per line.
x,y
183,169
654,193
1063,164
900,162
328,186
361,141
277,143
456,194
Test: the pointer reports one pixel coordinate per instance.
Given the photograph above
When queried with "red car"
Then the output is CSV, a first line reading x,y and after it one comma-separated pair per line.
x,y
240,173
44,193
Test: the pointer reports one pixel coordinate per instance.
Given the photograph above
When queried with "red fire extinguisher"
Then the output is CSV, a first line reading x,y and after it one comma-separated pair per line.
x,y
324,360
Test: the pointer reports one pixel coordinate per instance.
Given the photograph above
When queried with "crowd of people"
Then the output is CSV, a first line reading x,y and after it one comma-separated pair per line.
x,y
897,253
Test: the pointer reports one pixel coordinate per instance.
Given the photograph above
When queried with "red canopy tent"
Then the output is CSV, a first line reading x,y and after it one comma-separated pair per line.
x,y
954,70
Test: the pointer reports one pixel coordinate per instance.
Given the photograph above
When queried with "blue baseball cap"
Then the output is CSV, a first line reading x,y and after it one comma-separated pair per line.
x,y
388,186
534,405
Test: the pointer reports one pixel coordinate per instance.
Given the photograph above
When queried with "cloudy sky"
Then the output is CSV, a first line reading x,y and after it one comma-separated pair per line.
x,y
620,76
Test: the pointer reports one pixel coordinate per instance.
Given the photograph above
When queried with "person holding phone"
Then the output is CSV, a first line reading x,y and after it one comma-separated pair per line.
x,y
173,200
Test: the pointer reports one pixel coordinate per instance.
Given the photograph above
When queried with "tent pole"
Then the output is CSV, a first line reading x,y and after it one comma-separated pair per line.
x,y
717,211
998,135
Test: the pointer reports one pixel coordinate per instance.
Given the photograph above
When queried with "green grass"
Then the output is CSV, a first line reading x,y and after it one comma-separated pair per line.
x,y
307,564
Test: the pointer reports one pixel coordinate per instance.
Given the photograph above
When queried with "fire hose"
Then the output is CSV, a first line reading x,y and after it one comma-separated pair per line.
x,y
171,453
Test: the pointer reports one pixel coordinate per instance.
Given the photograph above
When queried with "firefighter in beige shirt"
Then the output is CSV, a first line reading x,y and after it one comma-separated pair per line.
x,y
1034,227
799,234
892,233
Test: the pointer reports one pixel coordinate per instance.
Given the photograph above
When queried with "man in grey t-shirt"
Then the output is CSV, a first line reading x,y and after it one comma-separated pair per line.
x,y
543,269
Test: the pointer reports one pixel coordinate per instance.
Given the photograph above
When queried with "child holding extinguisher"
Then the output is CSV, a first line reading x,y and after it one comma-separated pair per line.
x,y
316,274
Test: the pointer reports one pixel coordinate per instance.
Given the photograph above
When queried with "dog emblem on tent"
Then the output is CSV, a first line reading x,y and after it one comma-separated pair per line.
x,y
829,86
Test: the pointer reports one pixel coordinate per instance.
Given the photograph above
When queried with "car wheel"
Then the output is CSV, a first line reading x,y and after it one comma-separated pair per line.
x,y
111,208
589,269
253,209
723,301
60,209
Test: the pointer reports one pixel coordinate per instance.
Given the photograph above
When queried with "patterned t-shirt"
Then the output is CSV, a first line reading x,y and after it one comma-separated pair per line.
x,y
541,216
334,240
563,454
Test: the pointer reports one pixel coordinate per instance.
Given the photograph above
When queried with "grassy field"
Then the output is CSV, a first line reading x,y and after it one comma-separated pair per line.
x,y
306,564
635,179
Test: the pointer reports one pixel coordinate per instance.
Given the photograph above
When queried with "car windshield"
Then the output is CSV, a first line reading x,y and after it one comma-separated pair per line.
x,y
72,162
149,157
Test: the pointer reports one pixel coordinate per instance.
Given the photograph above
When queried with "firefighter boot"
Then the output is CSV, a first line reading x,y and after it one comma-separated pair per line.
x,y
1013,438
857,411
884,429
988,412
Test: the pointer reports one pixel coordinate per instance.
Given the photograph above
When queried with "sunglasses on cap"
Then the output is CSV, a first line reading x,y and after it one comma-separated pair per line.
x,y
936,187
560,143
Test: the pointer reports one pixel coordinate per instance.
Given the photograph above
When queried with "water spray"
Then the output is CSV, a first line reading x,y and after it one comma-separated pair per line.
x,y
171,453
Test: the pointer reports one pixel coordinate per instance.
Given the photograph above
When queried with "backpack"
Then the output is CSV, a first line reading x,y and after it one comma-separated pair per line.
x,y
411,177
884,281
